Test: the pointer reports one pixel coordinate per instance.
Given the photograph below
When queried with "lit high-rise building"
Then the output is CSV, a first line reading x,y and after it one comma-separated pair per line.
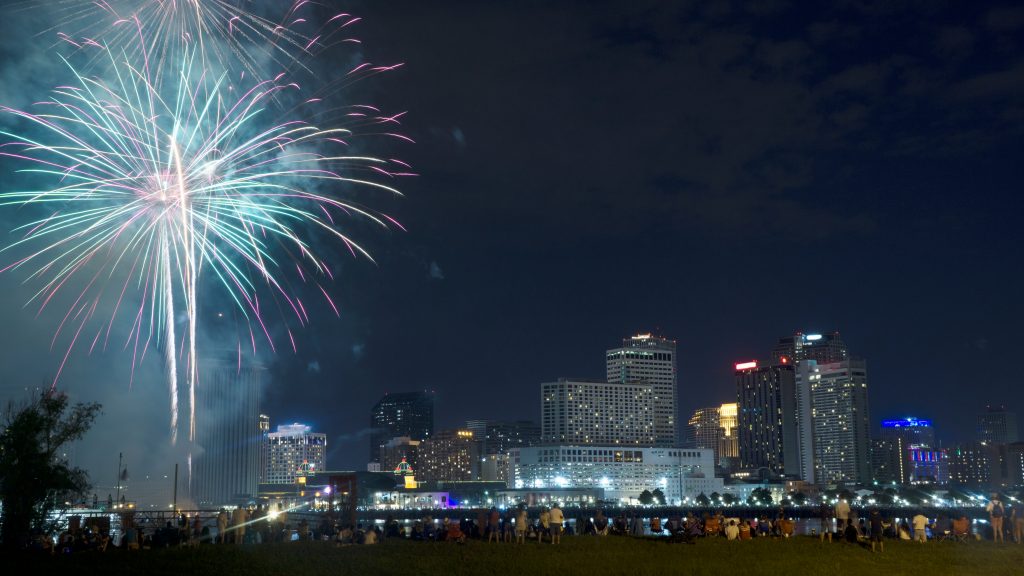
x,y
888,465
448,456
970,464
226,468
729,440
703,430
768,416
499,436
402,414
650,360
292,451
840,425
824,348
590,412
997,425
395,451
911,439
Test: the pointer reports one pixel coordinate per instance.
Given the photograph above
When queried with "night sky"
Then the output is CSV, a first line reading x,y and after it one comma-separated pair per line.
x,y
713,173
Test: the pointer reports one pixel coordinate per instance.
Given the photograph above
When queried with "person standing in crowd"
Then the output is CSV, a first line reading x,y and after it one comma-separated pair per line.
x,y
825,514
1017,520
545,524
522,522
222,526
238,524
842,514
995,515
493,525
601,524
920,522
875,524
556,519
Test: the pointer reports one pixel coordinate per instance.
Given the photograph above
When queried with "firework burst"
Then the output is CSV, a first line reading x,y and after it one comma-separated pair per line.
x,y
146,194
226,34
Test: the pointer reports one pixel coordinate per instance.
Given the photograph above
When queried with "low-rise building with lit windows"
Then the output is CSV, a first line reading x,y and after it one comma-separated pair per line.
x,y
622,473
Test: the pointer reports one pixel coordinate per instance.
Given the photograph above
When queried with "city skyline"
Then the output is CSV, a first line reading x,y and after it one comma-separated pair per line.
x,y
720,177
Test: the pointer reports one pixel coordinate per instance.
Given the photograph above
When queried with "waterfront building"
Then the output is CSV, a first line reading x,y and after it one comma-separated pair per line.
x,y
651,360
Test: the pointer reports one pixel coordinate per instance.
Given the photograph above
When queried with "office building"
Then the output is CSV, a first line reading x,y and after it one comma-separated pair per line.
x,y
593,412
408,414
398,450
728,453
1007,465
293,451
226,465
997,425
703,429
970,464
911,439
824,348
840,425
928,465
448,456
650,360
888,464
499,436
913,431
768,416
621,473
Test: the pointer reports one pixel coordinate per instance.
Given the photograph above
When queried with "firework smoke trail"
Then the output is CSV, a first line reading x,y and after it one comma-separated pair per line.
x,y
145,190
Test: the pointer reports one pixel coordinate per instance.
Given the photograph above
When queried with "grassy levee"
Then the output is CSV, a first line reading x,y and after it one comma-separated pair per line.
x,y
588,555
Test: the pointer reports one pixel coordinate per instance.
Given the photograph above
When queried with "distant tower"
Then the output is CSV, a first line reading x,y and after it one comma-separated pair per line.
x,y
294,448
650,360
704,429
996,425
226,467
768,416
839,419
824,348
576,412
409,414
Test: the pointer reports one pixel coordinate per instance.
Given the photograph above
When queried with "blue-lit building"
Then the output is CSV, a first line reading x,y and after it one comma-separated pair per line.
x,y
912,451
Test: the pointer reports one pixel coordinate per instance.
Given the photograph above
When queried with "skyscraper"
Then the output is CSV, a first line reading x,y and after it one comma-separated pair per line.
x,y
910,440
499,436
293,451
840,425
997,425
403,414
704,429
395,450
579,412
651,360
448,456
226,467
728,441
824,348
767,406
970,464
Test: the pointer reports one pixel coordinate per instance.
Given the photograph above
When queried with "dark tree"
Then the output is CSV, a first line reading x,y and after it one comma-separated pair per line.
x,y
34,479
760,496
658,496
646,497
728,499
703,500
716,497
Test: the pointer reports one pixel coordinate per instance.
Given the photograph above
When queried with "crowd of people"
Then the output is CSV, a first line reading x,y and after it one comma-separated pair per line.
x,y
516,525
